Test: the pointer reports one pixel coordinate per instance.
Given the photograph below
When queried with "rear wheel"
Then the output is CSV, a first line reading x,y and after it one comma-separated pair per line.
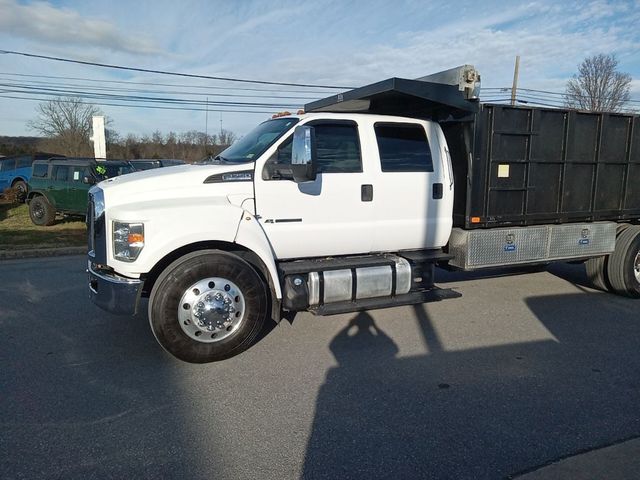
x,y
41,211
21,190
208,306
624,263
597,272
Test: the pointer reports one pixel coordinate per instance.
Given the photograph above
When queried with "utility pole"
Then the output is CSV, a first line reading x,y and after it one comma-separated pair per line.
x,y
514,87
206,119
206,126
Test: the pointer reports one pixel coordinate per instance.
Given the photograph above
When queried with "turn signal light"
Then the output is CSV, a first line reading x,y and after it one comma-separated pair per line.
x,y
475,219
135,238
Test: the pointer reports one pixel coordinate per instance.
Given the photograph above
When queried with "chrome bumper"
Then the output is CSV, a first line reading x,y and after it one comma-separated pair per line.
x,y
113,293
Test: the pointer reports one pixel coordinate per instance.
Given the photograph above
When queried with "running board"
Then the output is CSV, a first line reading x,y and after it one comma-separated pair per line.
x,y
412,298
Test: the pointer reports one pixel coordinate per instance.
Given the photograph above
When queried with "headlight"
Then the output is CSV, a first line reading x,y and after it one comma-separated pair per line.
x,y
128,240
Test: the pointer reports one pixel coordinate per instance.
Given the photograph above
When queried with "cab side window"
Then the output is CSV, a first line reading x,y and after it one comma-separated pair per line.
x,y
283,156
338,147
60,173
40,170
403,147
6,165
77,173
24,162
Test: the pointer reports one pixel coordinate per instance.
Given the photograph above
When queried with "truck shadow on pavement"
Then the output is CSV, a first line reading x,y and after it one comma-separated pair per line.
x,y
90,399
479,413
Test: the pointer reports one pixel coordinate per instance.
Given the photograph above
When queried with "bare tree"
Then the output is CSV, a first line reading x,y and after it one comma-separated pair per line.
x,y
226,138
598,86
66,122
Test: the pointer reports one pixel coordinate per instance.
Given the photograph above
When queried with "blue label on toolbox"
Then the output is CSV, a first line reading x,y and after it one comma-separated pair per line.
x,y
583,241
509,248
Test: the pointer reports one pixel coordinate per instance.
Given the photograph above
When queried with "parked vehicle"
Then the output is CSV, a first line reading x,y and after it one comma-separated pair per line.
x,y
60,185
149,163
15,172
352,205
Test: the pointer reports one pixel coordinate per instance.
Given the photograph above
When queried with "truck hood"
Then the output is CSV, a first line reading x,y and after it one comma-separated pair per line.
x,y
177,182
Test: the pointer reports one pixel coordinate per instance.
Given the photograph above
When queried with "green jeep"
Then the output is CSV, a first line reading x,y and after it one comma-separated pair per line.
x,y
60,185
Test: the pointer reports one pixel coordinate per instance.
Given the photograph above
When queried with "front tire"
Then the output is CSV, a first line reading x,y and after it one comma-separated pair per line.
x,y
41,212
208,306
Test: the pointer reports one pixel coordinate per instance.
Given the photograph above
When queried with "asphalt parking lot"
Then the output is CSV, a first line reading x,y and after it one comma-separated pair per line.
x,y
518,372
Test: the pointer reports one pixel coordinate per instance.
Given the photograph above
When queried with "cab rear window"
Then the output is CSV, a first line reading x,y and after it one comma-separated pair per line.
x,y
403,147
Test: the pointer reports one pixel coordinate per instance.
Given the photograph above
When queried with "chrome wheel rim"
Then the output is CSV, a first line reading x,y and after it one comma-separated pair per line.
x,y
636,267
38,210
211,309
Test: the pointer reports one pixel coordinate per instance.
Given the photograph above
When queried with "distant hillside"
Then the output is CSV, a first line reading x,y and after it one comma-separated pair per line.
x,y
18,145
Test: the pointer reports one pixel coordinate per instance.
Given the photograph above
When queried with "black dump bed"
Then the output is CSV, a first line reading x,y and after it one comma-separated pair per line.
x,y
527,166
518,165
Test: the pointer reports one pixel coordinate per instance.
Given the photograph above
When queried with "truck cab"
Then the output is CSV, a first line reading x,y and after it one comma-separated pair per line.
x,y
377,184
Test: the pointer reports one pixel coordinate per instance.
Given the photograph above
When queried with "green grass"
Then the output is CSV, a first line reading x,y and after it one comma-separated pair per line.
x,y
17,232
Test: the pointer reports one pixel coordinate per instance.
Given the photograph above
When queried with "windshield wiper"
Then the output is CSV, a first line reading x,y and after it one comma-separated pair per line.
x,y
217,160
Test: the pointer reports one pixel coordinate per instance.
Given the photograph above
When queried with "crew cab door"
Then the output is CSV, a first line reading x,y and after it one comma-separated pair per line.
x,y
78,190
413,191
58,187
329,216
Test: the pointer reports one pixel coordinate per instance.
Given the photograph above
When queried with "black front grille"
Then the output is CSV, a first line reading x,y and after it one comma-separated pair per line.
x,y
96,228
90,225
100,239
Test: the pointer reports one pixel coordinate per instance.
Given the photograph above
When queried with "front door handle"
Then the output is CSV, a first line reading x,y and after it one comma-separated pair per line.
x,y
366,193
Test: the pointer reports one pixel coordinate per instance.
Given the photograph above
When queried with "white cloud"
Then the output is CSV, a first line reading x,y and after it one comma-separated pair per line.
x,y
43,22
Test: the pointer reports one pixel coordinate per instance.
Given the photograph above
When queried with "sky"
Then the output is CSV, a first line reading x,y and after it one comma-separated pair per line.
x,y
321,42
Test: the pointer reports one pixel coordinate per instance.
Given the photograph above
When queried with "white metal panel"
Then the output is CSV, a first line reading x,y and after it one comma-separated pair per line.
x,y
98,138
319,218
406,216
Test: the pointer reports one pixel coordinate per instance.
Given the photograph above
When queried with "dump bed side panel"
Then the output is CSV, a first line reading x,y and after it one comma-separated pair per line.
x,y
533,166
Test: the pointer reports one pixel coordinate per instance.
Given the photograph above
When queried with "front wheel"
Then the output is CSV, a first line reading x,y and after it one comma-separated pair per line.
x,y
208,306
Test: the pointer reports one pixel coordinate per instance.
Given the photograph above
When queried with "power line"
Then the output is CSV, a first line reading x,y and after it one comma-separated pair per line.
x,y
164,72
555,94
265,112
90,88
179,85
138,98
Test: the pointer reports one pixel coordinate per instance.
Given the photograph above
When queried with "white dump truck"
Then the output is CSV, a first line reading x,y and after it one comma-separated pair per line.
x,y
352,205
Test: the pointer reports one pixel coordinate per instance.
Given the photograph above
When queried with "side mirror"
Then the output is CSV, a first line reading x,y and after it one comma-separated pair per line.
x,y
88,180
303,154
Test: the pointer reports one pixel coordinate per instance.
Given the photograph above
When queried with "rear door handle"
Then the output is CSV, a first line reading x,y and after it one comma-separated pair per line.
x,y
438,191
366,193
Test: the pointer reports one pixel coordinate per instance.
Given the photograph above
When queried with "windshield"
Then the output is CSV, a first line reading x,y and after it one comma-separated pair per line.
x,y
254,143
103,171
